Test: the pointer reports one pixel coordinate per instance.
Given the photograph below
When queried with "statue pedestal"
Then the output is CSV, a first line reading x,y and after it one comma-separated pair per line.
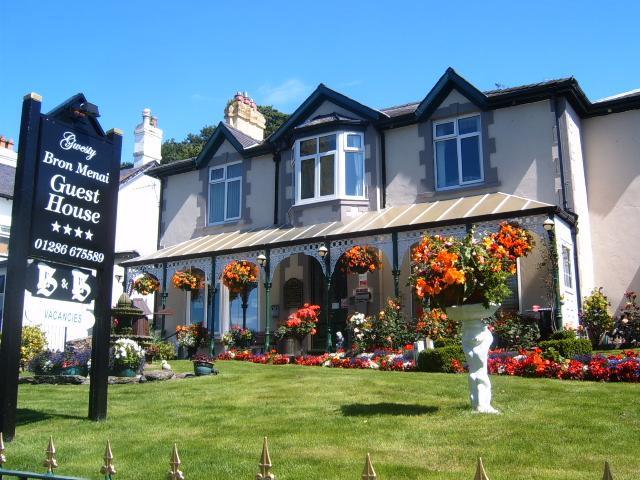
x,y
476,341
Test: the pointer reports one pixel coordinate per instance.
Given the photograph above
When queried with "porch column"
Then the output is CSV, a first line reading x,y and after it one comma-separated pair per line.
x,y
164,294
549,226
396,266
267,301
327,299
212,310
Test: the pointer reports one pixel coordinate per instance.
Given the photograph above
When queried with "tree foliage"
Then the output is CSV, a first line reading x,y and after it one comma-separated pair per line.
x,y
191,146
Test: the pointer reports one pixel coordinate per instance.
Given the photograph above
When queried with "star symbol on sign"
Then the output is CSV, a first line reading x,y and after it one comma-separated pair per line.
x,y
55,226
89,235
78,231
64,284
67,229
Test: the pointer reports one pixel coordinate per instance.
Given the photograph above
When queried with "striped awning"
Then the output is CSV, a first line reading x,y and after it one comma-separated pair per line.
x,y
405,217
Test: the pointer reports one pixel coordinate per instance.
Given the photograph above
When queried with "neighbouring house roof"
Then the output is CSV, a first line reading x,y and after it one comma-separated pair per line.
x,y
128,174
406,217
7,175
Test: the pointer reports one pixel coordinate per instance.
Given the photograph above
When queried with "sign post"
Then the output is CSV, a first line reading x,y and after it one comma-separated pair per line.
x,y
64,211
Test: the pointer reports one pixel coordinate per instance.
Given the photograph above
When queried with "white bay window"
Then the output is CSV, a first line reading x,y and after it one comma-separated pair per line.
x,y
330,166
458,152
225,193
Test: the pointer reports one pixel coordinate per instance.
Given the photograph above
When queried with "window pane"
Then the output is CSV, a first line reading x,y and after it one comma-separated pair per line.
x,y
326,175
307,180
308,147
327,143
235,311
470,149
354,173
234,170
354,141
447,163
233,199
216,174
216,202
468,125
566,267
444,129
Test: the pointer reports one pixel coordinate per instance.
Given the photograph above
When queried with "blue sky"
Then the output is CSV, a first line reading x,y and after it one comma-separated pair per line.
x,y
184,59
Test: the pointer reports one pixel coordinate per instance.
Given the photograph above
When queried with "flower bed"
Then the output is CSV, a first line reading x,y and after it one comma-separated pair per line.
x,y
381,360
612,368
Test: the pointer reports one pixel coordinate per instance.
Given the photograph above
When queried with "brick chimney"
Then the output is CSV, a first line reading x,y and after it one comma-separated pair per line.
x,y
7,155
242,113
148,140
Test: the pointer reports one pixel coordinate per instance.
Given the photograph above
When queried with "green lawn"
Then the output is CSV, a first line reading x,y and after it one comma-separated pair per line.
x,y
321,423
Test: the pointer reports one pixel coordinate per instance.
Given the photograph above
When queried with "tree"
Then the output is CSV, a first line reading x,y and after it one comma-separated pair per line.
x,y
274,118
191,146
125,165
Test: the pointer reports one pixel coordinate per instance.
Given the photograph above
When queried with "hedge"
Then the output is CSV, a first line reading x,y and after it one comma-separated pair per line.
x,y
569,347
439,359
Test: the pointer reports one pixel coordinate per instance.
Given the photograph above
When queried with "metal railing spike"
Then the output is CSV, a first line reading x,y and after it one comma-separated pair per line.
x,y
50,462
175,473
369,473
265,463
607,472
3,457
480,473
108,469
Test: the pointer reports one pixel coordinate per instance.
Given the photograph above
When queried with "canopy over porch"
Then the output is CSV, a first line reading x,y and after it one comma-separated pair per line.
x,y
393,231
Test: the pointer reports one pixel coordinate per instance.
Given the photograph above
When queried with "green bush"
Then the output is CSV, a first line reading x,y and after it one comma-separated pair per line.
x,y
34,342
439,359
569,347
595,316
563,335
446,342
159,350
514,331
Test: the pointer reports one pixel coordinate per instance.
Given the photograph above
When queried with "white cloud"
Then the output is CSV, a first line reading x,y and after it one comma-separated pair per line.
x,y
288,92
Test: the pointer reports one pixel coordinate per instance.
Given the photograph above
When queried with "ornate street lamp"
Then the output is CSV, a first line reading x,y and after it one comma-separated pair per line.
x,y
549,226
263,261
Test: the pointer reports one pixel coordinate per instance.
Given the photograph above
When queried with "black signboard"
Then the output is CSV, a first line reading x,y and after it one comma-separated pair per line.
x,y
73,206
60,282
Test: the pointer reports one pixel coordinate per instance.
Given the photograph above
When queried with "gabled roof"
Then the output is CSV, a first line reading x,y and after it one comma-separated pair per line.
x,y
314,100
448,82
223,132
63,113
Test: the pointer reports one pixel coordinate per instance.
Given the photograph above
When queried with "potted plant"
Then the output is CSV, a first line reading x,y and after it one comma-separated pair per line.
x,y
468,279
361,259
202,364
75,362
299,324
190,337
186,281
238,337
240,276
146,285
127,357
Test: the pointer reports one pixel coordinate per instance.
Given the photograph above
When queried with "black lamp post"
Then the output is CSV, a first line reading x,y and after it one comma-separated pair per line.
x,y
324,253
263,261
549,226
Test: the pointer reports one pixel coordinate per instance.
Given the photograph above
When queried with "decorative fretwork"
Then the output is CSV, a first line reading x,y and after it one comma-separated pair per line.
x,y
406,240
224,260
203,264
278,254
340,247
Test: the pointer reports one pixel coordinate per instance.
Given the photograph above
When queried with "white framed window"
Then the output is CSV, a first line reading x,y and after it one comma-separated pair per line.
x,y
225,193
330,166
457,146
567,267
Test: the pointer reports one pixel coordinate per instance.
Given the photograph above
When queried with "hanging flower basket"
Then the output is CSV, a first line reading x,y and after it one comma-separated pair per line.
x,y
240,276
361,259
186,281
146,285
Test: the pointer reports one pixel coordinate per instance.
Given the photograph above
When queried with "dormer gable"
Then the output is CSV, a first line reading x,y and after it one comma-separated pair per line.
x,y
224,132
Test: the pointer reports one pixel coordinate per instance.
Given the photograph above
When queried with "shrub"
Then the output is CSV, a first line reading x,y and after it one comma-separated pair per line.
x,y
34,342
161,350
446,342
440,359
514,331
569,347
628,324
388,329
595,316
563,335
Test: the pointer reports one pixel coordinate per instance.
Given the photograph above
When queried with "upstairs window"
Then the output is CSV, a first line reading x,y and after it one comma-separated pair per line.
x,y
225,193
458,152
567,271
330,166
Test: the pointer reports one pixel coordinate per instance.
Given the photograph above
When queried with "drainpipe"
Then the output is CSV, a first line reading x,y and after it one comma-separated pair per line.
x,y
383,168
276,159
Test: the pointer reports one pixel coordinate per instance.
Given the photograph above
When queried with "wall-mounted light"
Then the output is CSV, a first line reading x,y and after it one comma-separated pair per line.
x,y
262,260
548,225
322,251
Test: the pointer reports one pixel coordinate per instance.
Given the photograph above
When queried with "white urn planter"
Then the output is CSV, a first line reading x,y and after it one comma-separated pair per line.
x,y
476,341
